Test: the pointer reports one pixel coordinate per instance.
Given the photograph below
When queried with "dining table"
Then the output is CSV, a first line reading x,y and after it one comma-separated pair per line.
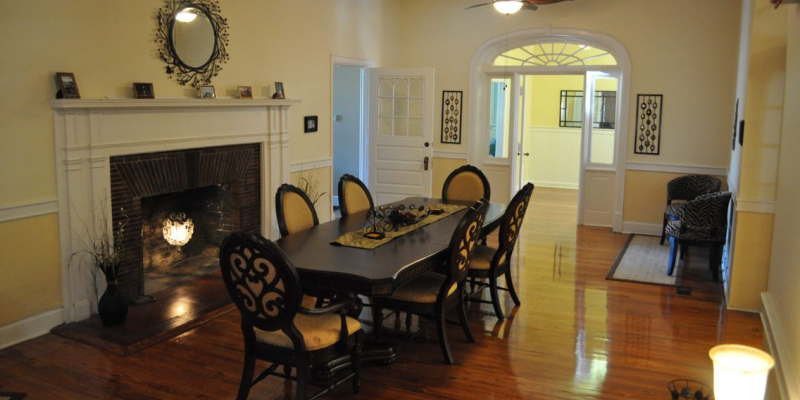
x,y
353,271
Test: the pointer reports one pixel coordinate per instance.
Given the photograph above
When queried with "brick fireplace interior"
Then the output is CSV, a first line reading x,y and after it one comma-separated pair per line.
x,y
218,188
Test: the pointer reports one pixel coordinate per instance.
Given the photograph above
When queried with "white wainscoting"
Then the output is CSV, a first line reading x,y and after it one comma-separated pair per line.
x,y
30,328
778,347
555,154
28,210
309,165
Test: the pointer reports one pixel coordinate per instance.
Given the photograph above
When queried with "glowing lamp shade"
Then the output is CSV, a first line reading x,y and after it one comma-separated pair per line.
x,y
178,229
740,372
507,6
186,15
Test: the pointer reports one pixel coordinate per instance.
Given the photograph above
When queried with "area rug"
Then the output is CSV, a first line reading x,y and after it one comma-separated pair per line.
x,y
644,260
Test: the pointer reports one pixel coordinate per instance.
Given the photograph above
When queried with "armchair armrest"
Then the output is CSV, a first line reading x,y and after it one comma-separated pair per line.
x,y
341,307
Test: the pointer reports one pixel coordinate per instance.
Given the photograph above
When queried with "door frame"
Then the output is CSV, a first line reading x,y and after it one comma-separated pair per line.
x,y
481,72
363,152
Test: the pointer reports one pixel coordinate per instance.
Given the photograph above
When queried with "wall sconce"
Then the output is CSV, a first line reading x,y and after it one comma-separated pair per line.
x,y
740,372
178,229
507,6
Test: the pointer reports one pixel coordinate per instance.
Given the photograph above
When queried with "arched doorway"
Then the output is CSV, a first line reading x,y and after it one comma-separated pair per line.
x,y
497,120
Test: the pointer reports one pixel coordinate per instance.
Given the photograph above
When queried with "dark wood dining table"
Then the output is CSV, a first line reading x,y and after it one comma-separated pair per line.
x,y
372,272
378,271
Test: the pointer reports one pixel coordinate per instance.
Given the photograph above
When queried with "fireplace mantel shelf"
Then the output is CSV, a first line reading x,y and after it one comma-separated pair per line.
x,y
81,104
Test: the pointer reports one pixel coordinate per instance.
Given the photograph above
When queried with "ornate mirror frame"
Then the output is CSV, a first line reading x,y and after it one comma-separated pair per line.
x,y
194,76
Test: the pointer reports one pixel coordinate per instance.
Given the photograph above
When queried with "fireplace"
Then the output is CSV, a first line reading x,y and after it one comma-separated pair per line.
x,y
148,156
218,188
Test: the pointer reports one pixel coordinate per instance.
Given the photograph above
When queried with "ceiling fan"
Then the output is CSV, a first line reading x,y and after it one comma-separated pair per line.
x,y
512,6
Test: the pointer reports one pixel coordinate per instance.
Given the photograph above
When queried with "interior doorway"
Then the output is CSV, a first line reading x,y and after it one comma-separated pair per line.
x,y
348,102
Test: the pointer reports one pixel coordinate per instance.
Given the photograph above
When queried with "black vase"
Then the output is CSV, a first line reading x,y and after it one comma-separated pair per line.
x,y
112,307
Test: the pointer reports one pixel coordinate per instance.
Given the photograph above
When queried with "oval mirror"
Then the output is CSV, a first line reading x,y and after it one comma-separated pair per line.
x,y
192,36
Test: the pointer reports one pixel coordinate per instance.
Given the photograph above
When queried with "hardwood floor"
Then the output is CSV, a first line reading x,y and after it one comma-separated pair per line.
x,y
576,336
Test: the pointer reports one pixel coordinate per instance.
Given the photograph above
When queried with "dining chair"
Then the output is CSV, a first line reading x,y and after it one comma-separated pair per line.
x,y
700,222
685,188
296,213
265,287
434,294
466,183
353,196
491,263
294,210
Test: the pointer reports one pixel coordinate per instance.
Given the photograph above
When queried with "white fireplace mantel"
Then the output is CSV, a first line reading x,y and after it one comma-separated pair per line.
x,y
89,132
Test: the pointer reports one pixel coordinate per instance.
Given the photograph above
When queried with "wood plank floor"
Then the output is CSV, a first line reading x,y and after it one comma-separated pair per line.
x,y
576,336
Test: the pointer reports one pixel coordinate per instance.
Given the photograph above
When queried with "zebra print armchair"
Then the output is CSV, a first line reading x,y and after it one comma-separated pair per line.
x,y
702,221
687,188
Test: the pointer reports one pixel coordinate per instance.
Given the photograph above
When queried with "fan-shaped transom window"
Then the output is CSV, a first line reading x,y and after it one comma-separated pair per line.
x,y
554,54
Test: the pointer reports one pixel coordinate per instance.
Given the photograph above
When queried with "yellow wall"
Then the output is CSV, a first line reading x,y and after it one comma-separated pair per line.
x,y
31,268
108,45
785,260
751,259
442,167
646,203
543,97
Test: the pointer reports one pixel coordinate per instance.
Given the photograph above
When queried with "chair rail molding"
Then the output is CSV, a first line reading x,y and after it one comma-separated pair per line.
x,y
88,133
311,164
678,169
28,210
451,154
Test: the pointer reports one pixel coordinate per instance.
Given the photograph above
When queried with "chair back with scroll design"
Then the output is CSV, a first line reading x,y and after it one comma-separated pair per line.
x,y
261,281
353,195
463,242
511,224
466,183
294,210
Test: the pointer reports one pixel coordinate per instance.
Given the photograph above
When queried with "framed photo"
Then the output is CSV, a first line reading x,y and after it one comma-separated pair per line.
x,y
310,124
279,91
143,91
207,92
67,85
245,92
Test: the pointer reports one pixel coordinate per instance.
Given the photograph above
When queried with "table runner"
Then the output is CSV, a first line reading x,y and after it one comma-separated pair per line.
x,y
356,238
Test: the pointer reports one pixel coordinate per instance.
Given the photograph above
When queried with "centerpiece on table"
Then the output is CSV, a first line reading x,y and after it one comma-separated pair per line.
x,y
389,218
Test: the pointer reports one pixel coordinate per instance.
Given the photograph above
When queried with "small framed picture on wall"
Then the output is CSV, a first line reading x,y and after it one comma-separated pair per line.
x,y
67,86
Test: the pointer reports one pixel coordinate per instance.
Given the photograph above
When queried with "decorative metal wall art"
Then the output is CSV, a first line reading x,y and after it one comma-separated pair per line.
x,y
451,116
192,36
648,124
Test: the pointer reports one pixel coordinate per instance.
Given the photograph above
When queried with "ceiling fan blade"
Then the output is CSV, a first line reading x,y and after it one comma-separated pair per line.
x,y
530,6
478,5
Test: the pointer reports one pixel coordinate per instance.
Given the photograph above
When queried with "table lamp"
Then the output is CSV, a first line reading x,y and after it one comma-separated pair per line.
x,y
740,372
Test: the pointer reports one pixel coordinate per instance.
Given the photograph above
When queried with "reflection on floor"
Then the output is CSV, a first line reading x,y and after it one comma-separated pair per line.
x,y
575,336
179,273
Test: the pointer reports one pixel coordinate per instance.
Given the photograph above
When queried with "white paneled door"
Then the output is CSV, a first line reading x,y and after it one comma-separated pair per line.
x,y
400,133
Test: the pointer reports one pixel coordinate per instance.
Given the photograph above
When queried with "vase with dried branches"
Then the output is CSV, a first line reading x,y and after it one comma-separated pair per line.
x,y
310,186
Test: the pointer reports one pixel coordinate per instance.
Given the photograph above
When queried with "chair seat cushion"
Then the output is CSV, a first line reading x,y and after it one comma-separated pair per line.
x,y
482,258
422,289
318,331
696,233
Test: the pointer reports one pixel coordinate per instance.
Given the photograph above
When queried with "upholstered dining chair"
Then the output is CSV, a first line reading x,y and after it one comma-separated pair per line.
x,y
466,183
353,196
434,294
491,263
265,288
685,188
294,210
702,221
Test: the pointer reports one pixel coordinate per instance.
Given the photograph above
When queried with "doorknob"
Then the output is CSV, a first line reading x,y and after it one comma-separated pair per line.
x,y
426,161
527,154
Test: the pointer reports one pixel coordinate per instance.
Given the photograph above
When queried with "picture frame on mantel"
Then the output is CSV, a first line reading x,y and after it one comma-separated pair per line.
x,y
207,92
143,91
67,86
279,91
245,92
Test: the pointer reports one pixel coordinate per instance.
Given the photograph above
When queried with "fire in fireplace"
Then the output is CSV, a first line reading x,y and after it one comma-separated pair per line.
x,y
218,189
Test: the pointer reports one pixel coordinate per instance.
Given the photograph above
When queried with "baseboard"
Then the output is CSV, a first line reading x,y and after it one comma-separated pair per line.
x,y
557,185
779,350
30,328
641,228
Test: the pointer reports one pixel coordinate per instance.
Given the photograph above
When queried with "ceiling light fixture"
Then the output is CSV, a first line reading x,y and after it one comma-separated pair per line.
x,y
507,7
